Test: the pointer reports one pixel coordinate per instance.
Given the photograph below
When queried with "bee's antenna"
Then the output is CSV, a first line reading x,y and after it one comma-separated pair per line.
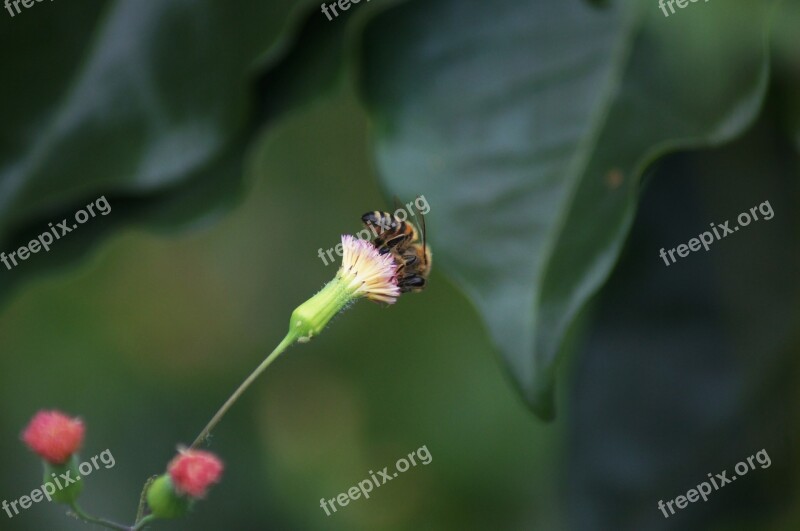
x,y
424,233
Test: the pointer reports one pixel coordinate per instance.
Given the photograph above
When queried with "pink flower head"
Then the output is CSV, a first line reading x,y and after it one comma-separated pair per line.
x,y
54,436
367,272
193,471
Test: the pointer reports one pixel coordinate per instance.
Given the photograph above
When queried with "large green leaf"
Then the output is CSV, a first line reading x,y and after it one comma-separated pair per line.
x,y
527,125
152,105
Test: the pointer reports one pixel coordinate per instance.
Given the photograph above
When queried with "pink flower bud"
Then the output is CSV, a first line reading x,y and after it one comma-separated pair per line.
x,y
54,436
193,471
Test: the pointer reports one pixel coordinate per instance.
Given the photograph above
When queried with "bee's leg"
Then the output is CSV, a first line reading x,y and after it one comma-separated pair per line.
x,y
405,261
380,245
411,283
394,241
400,264
410,259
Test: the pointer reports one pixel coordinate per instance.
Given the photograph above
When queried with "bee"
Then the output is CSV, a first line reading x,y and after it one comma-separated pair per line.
x,y
402,240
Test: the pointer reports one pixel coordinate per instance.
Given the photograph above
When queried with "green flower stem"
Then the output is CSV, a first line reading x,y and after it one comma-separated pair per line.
x,y
108,524
143,499
144,522
307,321
288,340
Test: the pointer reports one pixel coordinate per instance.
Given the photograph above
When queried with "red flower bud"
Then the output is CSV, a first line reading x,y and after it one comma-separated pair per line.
x,y
54,436
193,471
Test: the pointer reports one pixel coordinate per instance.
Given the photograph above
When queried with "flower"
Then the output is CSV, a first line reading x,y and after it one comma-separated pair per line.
x,y
193,471
54,436
365,273
188,477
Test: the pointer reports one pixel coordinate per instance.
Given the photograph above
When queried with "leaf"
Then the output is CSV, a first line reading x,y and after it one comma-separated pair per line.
x,y
528,125
151,105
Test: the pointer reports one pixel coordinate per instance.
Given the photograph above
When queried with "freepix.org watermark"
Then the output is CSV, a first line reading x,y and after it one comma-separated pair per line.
x,y
343,5
719,231
15,10
374,481
663,4
58,483
56,232
401,214
718,481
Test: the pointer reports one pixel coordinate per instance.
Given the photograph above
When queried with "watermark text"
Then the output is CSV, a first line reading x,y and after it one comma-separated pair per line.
x,y
45,239
58,483
719,231
717,481
383,476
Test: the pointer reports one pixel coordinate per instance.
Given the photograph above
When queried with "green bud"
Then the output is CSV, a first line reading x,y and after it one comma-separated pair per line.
x,y
163,501
58,474
310,318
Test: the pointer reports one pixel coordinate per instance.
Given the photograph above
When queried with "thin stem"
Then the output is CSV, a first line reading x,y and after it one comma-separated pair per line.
x,y
288,340
144,522
80,513
143,499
